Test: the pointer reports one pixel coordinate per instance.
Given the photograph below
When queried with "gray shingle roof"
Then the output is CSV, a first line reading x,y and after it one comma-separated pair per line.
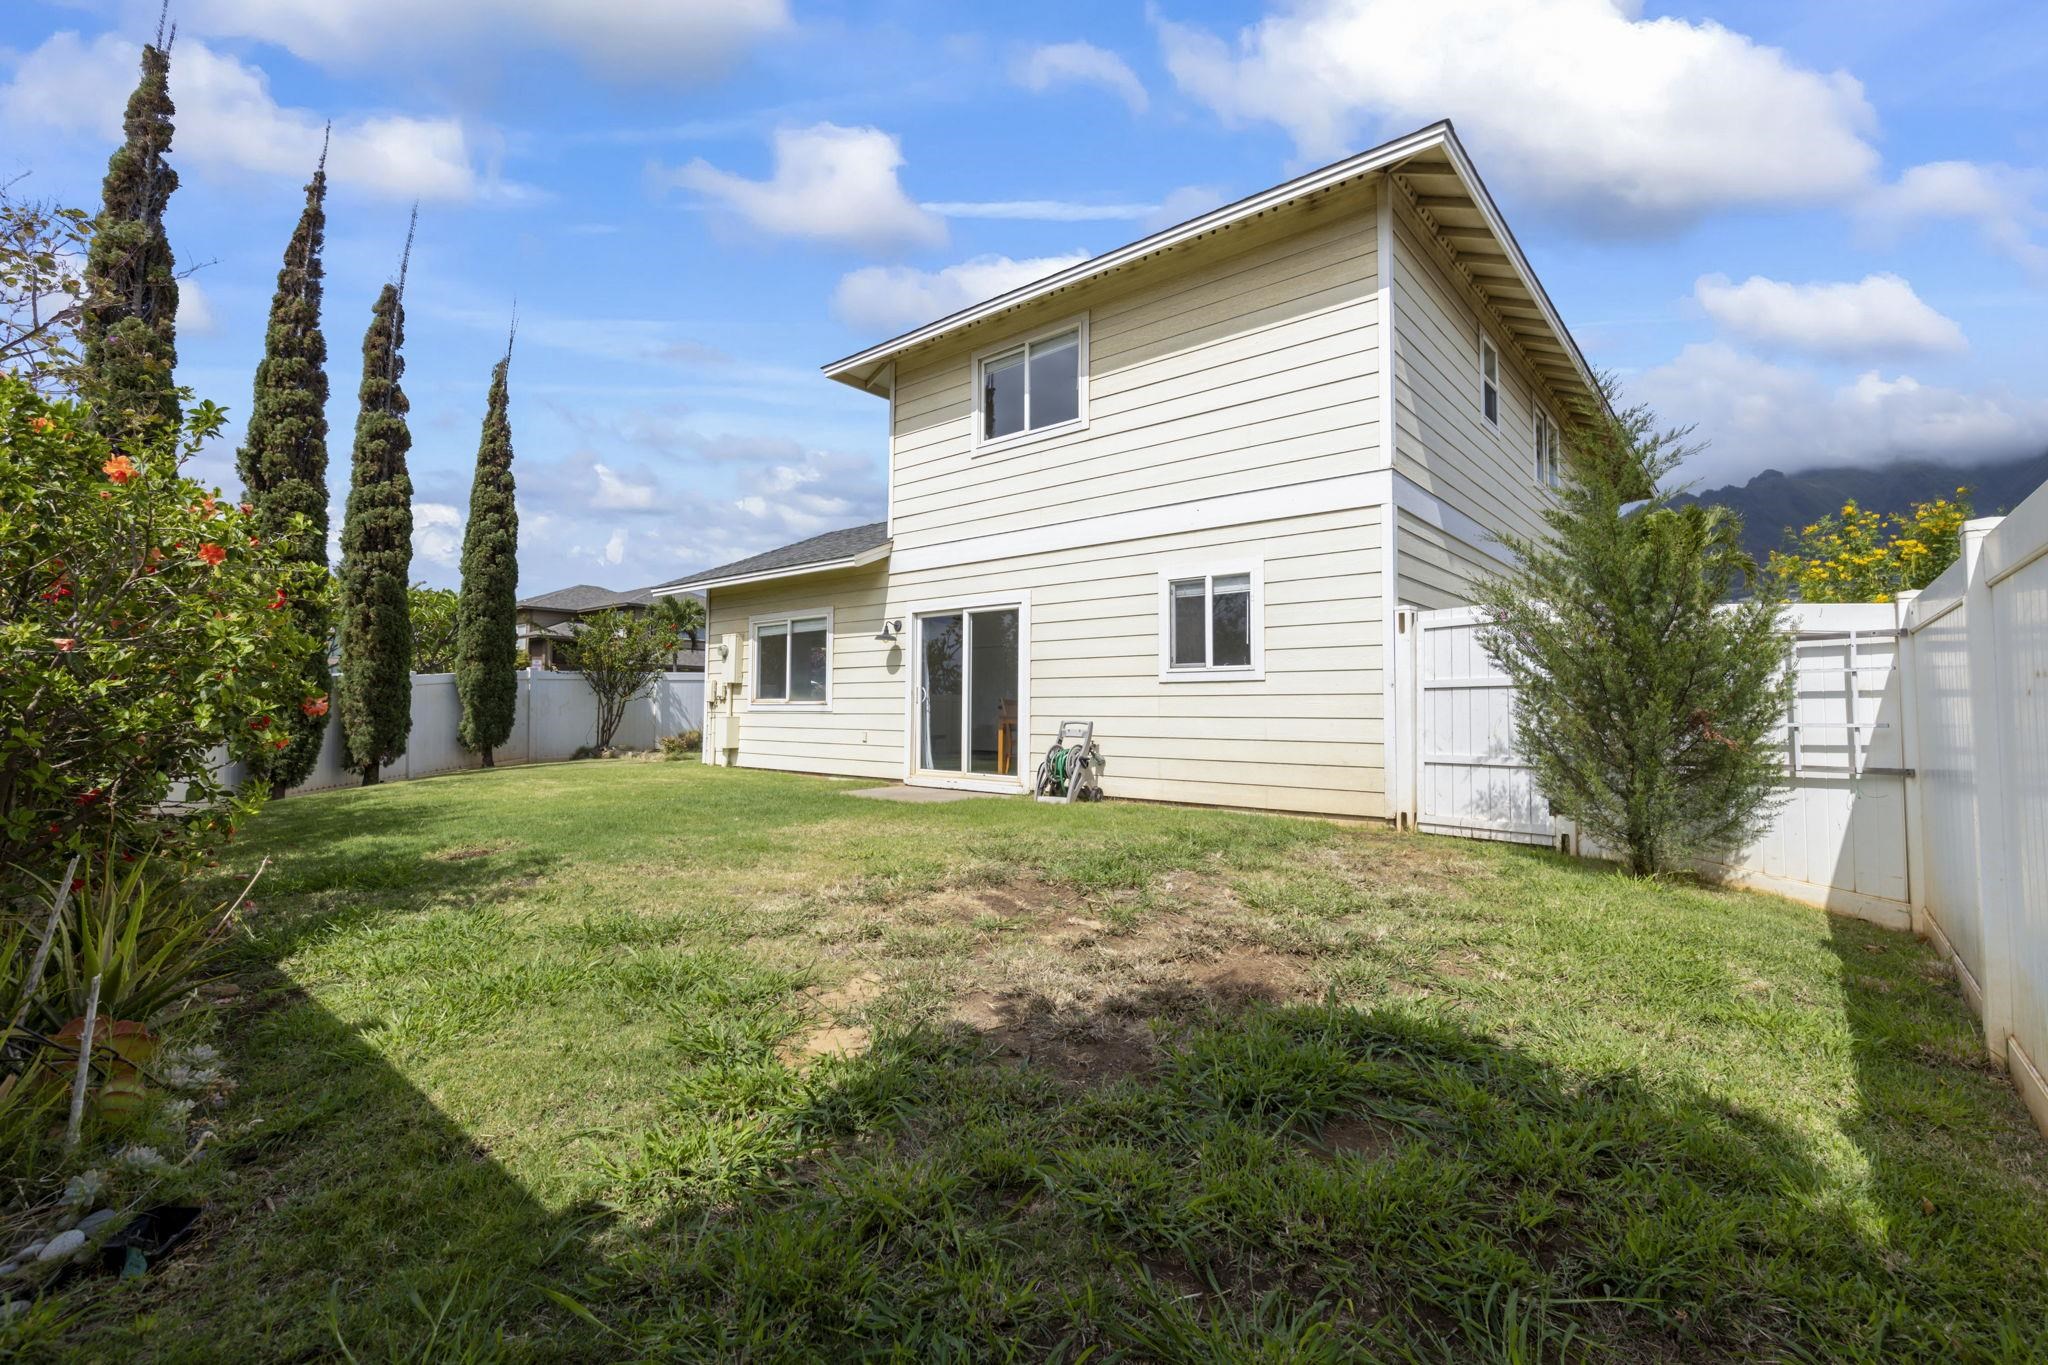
x,y
588,597
833,545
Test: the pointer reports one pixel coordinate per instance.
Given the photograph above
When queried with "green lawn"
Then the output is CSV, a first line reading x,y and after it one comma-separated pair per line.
x,y
648,1060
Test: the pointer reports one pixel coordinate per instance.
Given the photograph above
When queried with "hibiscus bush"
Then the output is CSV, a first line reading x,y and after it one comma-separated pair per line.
x,y
142,634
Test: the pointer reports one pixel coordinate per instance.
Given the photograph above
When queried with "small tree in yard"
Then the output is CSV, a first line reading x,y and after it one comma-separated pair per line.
x,y
1645,702
618,653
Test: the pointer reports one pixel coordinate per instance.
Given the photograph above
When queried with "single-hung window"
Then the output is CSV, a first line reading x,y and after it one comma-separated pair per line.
x,y
1549,458
1032,387
1489,381
791,659
1211,624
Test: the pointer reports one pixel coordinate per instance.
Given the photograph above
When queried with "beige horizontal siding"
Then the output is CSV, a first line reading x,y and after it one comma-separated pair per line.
x,y
1443,442
1436,567
1308,737
1246,361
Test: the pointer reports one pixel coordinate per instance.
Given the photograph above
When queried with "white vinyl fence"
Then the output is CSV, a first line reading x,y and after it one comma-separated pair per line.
x,y
1839,839
1916,768
556,716
1976,649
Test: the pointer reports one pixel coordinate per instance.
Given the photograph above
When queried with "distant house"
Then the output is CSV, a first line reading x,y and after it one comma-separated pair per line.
x,y
1182,490
551,620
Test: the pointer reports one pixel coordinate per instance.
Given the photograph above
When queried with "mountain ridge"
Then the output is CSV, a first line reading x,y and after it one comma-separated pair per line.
x,y
1774,502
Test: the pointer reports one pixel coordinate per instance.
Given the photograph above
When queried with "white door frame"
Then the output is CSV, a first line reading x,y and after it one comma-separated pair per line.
x,y
1019,600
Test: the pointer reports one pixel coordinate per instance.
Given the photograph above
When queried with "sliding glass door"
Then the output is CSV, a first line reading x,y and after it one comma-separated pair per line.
x,y
967,696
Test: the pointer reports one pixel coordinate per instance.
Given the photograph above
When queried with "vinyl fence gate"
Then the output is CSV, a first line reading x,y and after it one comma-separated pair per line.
x,y
1840,839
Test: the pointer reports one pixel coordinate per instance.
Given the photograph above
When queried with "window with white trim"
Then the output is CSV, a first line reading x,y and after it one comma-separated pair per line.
x,y
1489,381
793,660
1032,386
1549,457
1211,622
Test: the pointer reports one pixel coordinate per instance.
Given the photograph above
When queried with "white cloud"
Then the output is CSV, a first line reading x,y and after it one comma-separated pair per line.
x,y
1042,210
1879,315
669,39
1632,122
195,310
696,512
616,493
886,298
831,184
229,121
1082,64
2000,200
1756,415
436,533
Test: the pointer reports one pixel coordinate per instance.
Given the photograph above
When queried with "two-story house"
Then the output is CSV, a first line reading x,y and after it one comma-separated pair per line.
x,y
1179,490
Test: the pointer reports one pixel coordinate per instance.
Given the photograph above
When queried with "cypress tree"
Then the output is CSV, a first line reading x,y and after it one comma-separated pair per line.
x,y
129,321
375,690
486,643
1644,698
283,460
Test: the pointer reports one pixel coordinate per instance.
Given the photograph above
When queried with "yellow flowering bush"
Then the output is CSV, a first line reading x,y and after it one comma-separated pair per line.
x,y
1863,556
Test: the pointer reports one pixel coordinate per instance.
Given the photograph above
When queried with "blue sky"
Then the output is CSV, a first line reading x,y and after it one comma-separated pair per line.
x,y
1818,232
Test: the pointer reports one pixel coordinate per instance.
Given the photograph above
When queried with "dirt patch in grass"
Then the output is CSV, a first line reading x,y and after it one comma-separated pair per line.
x,y
837,1035
1082,1046
1366,1138
456,855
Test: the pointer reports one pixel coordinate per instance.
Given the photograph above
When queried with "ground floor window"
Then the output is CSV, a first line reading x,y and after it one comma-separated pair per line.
x,y
1211,622
792,659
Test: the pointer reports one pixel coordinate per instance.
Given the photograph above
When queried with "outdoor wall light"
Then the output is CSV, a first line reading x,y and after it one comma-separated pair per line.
x,y
890,630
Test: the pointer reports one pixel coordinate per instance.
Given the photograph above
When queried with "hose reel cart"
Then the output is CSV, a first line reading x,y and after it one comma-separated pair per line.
x,y
1072,768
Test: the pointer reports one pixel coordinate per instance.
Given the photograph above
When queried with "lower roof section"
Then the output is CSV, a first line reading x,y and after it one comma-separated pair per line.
x,y
843,549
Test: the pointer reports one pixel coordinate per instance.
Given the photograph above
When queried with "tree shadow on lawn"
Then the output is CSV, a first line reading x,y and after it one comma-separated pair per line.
x,y
1268,1180
350,1217
1286,1182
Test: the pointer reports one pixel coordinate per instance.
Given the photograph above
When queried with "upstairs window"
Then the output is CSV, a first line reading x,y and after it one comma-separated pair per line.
x,y
1210,624
1549,458
1031,386
1489,381
791,657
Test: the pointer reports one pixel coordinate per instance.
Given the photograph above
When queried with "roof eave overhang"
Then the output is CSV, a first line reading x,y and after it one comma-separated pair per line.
x,y
861,560
862,369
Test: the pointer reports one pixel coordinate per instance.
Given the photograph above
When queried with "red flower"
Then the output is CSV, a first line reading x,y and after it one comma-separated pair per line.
x,y
246,508
77,884
260,723
64,644
277,601
314,706
40,424
120,469
56,828
87,797
281,743
212,554
254,541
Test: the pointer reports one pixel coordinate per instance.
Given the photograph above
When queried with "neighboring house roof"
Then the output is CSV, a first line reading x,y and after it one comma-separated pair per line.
x,y
588,597
1429,165
847,549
